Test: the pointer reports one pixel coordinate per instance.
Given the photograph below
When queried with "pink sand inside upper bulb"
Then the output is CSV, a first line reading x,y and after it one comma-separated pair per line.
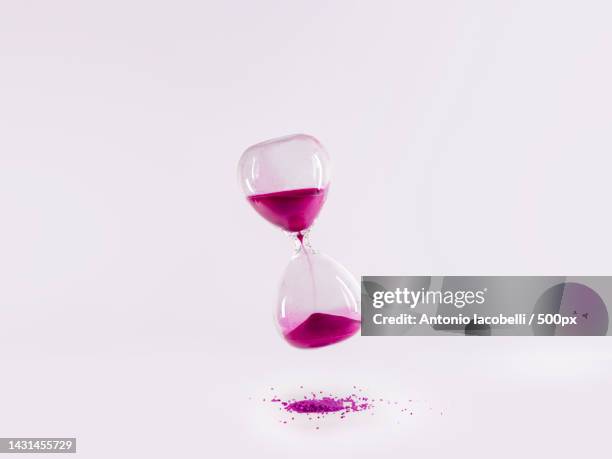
x,y
292,210
321,330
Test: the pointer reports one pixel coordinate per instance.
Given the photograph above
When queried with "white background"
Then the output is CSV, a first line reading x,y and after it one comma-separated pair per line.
x,y
137,286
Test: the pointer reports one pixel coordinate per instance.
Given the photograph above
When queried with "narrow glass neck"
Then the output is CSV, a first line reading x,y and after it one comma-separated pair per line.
x,y
301,241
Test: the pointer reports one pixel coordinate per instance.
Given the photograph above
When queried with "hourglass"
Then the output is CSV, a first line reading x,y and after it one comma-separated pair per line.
x,y
286,180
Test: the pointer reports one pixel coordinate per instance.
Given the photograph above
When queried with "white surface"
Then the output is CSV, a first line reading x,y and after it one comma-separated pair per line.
x,y
136,285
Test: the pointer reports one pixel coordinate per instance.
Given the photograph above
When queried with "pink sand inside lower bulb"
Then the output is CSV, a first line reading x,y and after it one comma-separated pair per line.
x,y
292,210
321,329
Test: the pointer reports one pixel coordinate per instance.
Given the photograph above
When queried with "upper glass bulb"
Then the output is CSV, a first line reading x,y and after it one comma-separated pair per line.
x,y
286,180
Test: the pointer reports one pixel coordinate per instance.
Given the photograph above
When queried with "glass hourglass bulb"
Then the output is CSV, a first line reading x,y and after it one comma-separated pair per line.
x,y
318,299
286,181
